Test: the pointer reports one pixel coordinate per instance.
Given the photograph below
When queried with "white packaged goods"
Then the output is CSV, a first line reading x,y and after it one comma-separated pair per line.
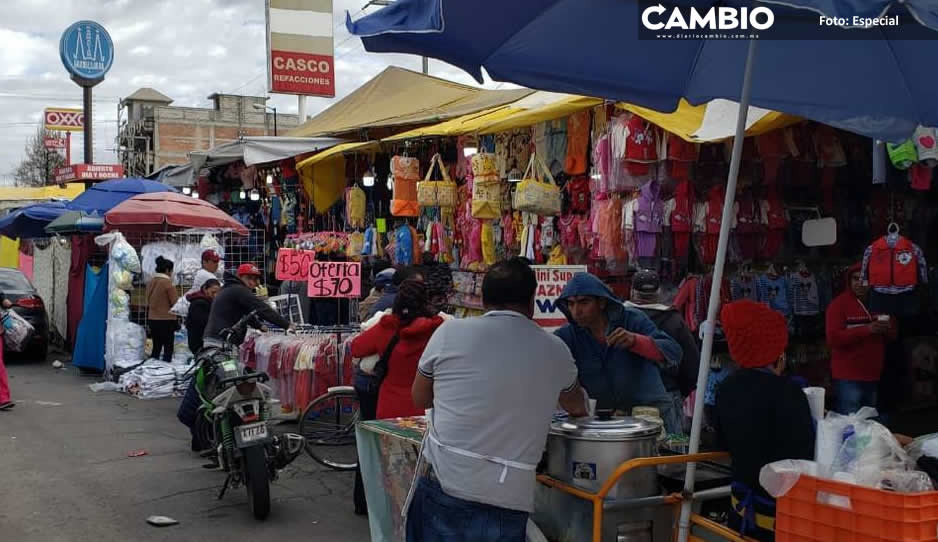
x,y
17,331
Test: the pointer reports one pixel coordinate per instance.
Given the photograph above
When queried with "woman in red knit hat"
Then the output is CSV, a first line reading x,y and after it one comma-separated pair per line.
x,y
761,416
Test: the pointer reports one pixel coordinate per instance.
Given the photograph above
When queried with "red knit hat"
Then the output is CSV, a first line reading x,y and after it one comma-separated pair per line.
x,y
756,335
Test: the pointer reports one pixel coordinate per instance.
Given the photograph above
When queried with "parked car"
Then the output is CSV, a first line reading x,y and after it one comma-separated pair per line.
x,y
27,303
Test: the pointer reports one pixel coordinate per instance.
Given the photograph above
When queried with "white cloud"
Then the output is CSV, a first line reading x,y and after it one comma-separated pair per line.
x,y
186,49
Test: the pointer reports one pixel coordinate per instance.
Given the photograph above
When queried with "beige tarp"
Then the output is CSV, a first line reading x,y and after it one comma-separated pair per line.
x,y
399,97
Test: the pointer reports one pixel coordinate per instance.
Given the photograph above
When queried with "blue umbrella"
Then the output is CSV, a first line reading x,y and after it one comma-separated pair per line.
x,y
102,197
29,222
872,81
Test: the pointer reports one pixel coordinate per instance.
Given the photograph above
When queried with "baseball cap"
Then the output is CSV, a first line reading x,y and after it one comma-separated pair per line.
x,y
249,269
383,278
210,256
645,281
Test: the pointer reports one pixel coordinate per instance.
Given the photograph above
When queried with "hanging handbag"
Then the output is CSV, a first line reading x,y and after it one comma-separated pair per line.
x,y
436,193
406,171
538,197
355,207
486,197
483,165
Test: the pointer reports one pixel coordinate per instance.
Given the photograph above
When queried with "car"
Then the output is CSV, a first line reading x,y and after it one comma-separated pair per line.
x,y
27,303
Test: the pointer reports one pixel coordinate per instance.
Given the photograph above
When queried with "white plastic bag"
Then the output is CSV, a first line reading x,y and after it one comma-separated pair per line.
x,y
858,446
121,252
125,343
17,331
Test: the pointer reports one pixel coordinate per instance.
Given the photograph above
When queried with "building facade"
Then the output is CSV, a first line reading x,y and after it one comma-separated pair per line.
x,y
154,134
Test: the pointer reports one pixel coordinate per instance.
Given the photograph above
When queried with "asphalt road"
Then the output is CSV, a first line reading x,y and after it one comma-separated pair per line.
x,y
65,474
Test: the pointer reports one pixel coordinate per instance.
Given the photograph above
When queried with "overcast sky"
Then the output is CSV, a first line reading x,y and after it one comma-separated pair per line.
x,y
186,49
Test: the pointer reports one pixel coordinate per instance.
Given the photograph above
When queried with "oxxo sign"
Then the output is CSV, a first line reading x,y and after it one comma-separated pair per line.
x,y
716,18
64,120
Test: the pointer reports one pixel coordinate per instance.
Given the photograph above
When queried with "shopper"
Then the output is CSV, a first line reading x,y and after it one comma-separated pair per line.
x,y
210,263
493,382
236,300
678,381
390,291
618,350
761,417
200,306
857,339
161,296
6,402
382,280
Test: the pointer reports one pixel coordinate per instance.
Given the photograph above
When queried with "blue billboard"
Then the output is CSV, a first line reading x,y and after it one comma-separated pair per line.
x,y
86,50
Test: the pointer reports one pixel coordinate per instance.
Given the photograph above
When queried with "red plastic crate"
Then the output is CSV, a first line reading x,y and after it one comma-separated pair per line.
x,y
873,515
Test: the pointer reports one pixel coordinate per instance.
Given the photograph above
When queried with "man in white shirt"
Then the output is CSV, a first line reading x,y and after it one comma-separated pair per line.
x,y
493,383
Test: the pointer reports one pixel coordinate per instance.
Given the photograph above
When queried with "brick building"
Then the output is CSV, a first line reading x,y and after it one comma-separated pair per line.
x,y
154,134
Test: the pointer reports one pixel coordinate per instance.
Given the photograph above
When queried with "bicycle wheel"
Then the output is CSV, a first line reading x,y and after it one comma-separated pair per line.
x,y
328,424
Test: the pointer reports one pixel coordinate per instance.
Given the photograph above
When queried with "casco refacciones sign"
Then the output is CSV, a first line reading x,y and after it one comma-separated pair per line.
x,y
87,51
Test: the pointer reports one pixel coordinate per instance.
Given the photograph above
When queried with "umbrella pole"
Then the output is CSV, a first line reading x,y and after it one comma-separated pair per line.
x,y
707,347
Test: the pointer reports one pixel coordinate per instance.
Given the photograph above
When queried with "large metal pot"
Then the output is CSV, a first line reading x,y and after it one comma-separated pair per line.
x,y
584,452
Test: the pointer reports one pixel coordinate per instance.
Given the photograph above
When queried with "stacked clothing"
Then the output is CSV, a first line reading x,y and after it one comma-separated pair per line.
x,y
153,379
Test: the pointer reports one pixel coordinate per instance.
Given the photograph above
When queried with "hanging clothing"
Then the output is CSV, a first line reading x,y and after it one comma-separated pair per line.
x,y
578,138
91,333
894,267
82,248
805,299
774,291
648,220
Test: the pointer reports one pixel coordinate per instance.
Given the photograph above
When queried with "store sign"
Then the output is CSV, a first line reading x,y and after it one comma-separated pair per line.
x,y
88,172
300,48
86,51
64,119
335,279
551,280
294,264
54,143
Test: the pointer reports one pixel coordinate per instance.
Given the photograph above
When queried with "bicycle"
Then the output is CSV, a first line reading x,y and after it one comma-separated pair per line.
x,y
328,424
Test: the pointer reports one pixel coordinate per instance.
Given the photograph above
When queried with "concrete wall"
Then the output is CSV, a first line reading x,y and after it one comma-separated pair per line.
x,y
181,130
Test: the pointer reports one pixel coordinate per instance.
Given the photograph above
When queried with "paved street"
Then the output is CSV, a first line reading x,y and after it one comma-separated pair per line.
x,y
66,476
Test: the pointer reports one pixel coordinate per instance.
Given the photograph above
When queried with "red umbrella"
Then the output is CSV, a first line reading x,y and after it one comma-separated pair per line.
x,y
161,210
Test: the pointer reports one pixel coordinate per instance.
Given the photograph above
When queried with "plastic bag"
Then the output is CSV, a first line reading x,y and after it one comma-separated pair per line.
x,y
779,477
17,331
121,251
861,447
119,304
181,307
902,481
125,343
926,445
123,279
105,386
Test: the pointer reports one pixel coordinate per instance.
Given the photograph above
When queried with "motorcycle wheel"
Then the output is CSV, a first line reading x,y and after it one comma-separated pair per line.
x,y
256,481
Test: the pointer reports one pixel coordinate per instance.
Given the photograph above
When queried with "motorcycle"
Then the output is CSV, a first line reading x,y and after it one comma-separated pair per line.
x,y
234,417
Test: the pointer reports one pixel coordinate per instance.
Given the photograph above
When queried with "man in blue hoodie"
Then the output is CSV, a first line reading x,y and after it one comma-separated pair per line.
x,y
619,351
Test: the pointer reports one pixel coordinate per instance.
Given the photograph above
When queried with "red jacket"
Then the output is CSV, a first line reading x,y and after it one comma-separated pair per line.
x,y
856,352
893,266
394,397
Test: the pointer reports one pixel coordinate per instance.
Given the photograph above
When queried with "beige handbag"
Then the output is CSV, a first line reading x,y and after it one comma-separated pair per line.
x,y
436,193
538,197
486,197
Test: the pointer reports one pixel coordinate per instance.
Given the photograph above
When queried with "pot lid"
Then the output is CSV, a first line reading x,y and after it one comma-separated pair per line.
x,y
606,428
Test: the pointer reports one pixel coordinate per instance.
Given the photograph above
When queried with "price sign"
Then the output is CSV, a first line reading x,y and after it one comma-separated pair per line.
x,y
294,264
335,279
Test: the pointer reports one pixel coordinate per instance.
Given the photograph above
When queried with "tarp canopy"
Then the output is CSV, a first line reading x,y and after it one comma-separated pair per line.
x,y
157,211
534,108
714,121
20,193
400,97
253,150
364,146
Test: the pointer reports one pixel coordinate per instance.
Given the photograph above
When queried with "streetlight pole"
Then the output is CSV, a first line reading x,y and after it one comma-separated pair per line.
x,y
265,107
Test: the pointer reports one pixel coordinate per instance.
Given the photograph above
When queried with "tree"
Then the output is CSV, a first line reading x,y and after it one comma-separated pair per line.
x,y
37,167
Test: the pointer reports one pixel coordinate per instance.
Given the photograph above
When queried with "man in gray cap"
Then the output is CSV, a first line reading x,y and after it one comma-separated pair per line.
x,y
382,279
681,380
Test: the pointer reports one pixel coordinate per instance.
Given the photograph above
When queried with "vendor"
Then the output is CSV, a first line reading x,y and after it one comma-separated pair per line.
x,y
619,351
761,417
857,339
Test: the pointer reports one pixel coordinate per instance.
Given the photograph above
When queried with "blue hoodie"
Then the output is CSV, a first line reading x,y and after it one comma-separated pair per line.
x,y
617,378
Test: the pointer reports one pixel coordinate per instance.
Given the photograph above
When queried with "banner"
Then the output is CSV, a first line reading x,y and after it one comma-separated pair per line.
x,y
64,119
551,280
300,48
335,279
